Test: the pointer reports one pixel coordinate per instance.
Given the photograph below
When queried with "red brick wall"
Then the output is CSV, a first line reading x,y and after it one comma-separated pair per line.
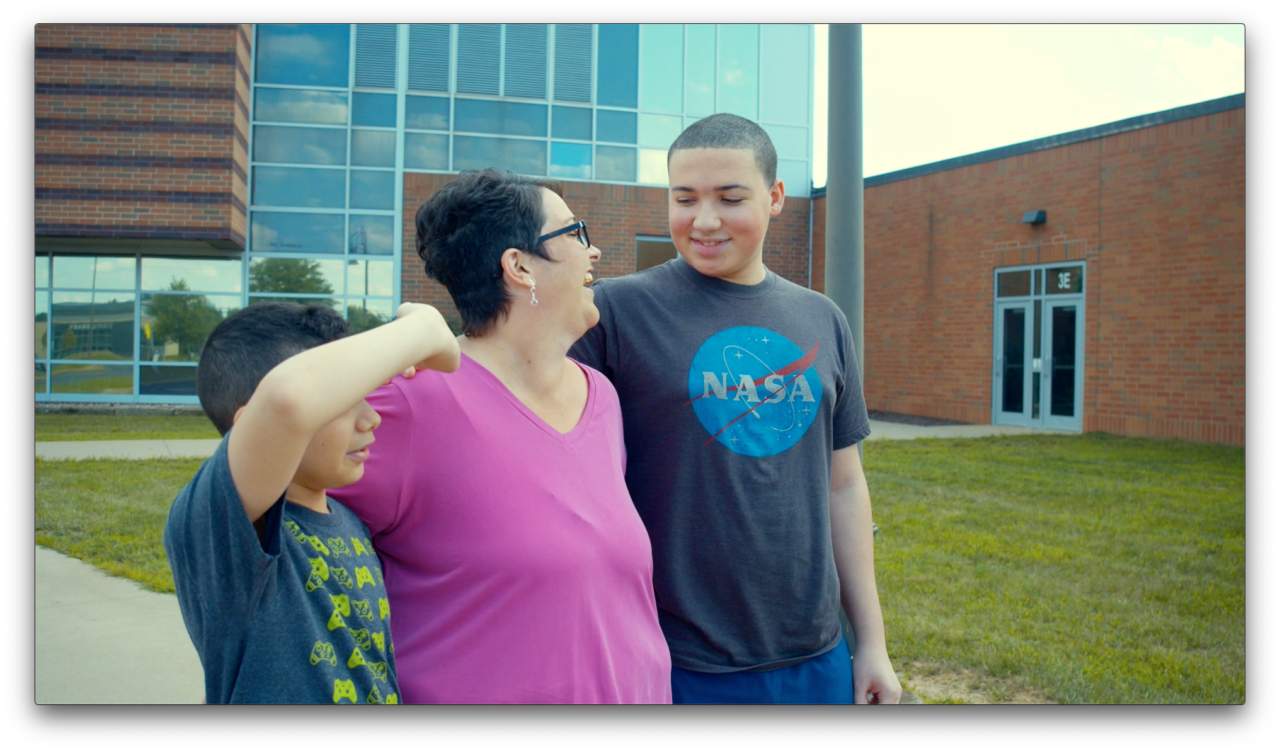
x,y
1158,216
141,131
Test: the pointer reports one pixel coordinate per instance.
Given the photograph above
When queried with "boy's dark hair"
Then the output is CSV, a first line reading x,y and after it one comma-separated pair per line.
x,y
466,226
247,344
726,131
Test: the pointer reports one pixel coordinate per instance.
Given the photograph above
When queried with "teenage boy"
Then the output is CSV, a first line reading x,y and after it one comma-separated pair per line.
x,y
279,585
742,407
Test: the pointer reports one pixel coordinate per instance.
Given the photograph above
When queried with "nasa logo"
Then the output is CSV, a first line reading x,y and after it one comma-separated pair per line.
x,y
754,391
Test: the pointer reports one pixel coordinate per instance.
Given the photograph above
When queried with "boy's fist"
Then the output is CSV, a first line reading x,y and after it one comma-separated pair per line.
x,y
443,346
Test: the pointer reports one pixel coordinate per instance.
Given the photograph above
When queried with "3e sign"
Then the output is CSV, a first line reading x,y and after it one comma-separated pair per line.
x,y
1064,281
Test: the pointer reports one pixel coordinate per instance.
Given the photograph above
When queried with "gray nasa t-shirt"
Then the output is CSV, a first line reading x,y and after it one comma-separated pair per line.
x,y
298,616
733,398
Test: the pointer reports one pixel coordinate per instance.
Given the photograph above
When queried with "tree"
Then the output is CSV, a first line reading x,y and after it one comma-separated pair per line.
x,y
288,275
183,319
363,319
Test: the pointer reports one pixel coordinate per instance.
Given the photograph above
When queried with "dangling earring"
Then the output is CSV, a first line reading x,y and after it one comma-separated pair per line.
x,y
533,295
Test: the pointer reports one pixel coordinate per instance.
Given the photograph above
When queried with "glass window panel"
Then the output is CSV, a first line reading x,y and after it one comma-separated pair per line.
x,y
426,151
368,314
653,167
619,127
329,302
369,278
299,186
789,141
615,163
784,74
617,64
572,160
373,190
1015,321
426,112
1062,381
300,106
195,274
93,379
1064,280
571,122
662,79
42,271
1013,284
161,380
42,325
296,233
313,54
175,327
659,131
92,327
279,143
507,118
373,148
372,235
523,157
377,110
738,69
94,272
700,70
311,276
794,176
42,377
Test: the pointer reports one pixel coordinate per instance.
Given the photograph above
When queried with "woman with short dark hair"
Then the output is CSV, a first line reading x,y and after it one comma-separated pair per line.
x,y
519,569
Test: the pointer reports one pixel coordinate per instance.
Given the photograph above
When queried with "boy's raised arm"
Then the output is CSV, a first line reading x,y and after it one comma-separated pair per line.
x,y
311,389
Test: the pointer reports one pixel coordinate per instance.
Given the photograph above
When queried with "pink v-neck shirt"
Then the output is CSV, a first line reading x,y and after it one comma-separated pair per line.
x,y
517,568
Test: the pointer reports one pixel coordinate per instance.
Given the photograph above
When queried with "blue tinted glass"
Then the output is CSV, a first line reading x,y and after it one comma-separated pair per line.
x,y
524,157
738,69
426,112
616,163
313,54
378,110
784,73
617,64
300,106
571,160
295,233
195,274
42,271
371,234
373,190
659,131
700,70
159,380
299,186
373,148
90,272
426,151
571,122
661,85
279,143
507,118
101,326
615,126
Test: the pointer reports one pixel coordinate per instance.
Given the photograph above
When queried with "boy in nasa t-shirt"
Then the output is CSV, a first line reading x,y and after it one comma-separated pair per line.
x,y
742,407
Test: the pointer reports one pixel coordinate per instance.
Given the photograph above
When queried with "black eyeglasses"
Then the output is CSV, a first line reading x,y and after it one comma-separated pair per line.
x,y
581,226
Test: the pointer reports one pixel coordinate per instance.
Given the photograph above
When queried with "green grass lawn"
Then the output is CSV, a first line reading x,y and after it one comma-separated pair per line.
x,y
58,427
1095,569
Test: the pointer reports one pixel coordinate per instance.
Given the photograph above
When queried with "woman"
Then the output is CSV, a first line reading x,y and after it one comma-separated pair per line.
x,y
518,569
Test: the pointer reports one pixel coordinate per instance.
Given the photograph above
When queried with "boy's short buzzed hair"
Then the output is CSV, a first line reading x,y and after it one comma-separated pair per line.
x,y
726,131
246,345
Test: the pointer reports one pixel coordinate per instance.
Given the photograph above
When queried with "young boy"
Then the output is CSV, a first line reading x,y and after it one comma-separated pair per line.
x,y
742,408
279,585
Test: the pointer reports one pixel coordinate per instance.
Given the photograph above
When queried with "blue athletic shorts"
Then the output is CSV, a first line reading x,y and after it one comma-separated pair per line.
x,y
825,679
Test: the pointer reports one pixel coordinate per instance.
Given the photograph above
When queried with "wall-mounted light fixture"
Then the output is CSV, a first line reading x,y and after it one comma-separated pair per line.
x,y
1035,217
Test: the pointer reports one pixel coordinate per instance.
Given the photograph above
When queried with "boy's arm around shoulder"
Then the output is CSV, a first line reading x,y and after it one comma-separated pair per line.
x,y
311,389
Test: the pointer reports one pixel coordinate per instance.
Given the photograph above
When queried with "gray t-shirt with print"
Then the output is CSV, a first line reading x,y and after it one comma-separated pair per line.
x,y
733,398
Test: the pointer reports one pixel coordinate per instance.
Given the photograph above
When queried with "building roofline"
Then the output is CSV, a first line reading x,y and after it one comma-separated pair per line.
x,y
1235,101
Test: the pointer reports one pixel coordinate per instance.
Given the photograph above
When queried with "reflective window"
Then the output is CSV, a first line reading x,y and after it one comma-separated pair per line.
x,y
1064,280
373,148
426,151
311,276
524,157
95,272
300,106
174,327
298,186
616,163
507,118
92,379
617,64
314,54
42,271
653,167
369,278
700,70
195,274
92,326
571,122
42,378
296,233
659,131
377,110
662,79
373,190
278,143
426,112
42,325
794,176
791,142
784,73
571,160
738,69
162,380
372,235
367,314
1013,284
615,126
333,304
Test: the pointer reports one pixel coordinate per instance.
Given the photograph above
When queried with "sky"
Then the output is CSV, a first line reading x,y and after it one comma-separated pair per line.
x,y
933,92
